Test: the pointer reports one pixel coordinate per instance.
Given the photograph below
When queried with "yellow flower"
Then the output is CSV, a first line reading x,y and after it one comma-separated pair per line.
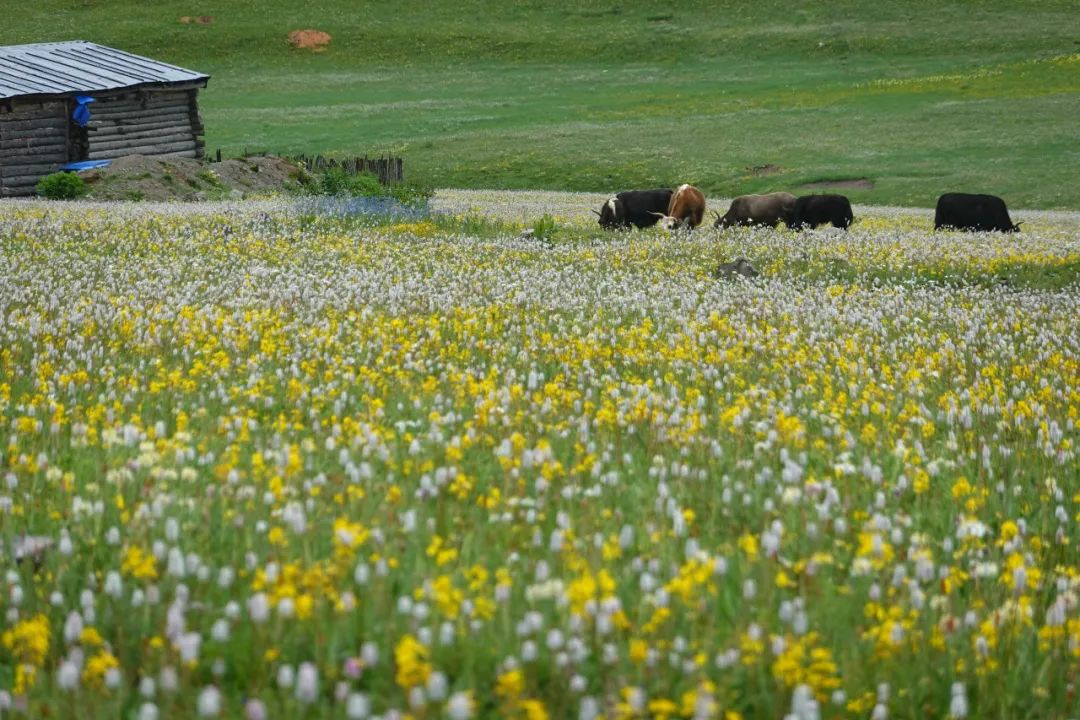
x,y
28,641
510,684
90,637
662,708
411,661
93,674
748,544
139,564
638,651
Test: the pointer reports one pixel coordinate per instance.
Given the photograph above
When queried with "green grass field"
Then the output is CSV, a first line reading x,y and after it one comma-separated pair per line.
x,y
975,96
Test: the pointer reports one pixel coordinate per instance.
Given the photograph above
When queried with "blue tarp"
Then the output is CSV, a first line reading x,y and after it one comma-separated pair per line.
x,y
86,165
81,114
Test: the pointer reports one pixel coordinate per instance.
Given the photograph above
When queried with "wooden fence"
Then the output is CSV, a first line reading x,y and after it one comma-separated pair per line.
x,y
388,169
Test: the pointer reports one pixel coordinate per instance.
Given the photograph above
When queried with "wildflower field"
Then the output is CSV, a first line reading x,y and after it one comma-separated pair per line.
x,y
262,462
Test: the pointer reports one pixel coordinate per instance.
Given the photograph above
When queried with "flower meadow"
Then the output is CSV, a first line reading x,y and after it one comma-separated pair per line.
x,y
259,462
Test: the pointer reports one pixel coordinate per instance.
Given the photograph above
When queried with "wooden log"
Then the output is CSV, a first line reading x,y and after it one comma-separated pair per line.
x,y
40,124
35,169
22,147
35,144
177,98
137,114
13,161
140,136
24,188
50,110
180,100
22,180
141,141
151,150
107,127
50,135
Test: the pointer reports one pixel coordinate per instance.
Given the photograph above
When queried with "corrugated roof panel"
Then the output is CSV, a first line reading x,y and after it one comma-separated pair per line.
x,y
80,66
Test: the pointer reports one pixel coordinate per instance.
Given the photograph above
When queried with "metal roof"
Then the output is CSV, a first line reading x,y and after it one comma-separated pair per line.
x,y
81,67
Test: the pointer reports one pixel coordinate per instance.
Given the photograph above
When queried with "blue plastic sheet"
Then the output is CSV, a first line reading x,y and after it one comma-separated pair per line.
x,y
81,114
86,165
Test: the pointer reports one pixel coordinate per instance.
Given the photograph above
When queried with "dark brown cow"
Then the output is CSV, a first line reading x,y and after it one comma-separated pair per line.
x,y
768,210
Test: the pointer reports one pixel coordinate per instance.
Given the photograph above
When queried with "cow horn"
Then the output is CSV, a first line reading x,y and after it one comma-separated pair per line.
x,y
659,215
597,213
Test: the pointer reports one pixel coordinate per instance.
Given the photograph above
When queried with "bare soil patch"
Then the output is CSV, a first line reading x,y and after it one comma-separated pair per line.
x,y
308,39
766,169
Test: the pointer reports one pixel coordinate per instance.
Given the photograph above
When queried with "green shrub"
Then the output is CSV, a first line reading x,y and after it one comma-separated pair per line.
x,y
61,186
544,228
336,181
341,183
414,196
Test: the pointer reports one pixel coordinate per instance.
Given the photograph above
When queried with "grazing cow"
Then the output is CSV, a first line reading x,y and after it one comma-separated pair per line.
x,y
766,210
813,210
687,208
960,211
639,208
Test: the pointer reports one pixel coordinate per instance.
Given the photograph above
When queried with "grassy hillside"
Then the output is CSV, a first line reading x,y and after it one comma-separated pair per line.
x,y
977,96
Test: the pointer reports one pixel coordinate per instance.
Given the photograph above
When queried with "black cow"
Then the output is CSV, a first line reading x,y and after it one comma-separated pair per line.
x,y
813,210
979,213
640,208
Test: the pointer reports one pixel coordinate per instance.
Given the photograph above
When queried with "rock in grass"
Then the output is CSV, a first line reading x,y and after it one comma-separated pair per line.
x,y
741,266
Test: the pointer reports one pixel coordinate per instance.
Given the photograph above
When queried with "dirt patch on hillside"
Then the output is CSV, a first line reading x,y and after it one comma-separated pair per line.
x,y
138,177
847,183
766,169
314,40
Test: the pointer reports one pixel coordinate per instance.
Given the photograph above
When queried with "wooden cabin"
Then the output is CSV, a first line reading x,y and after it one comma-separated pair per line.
x,y
72,101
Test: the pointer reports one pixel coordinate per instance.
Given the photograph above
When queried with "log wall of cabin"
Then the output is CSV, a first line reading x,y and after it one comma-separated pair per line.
x,y
159,122
33,144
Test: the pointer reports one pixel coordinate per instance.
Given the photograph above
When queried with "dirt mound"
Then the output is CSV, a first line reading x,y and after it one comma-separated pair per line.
x,y
766,169
138,177
314,40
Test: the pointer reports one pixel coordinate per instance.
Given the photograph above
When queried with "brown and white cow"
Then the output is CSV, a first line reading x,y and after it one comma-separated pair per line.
x,y
686,209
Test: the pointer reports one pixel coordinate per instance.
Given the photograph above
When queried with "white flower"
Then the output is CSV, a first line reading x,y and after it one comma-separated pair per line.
x,y
369,654
168,679
460,706
258,608
437,686
113,678
220,631
255,709
73,627
148,711
357,707
67,675
285,676
209,702
958,706
307,684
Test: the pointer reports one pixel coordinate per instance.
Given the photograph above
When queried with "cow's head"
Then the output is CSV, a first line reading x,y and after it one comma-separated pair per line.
x,y
612,214
667,222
